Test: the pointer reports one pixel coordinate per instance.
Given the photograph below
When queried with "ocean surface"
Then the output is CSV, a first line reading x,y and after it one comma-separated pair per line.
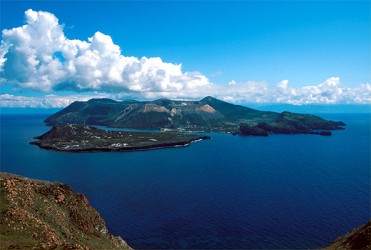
x,y
281,191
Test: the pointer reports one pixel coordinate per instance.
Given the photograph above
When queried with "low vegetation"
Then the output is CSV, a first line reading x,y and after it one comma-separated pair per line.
x,y
79,138
208,114
358,238
43,215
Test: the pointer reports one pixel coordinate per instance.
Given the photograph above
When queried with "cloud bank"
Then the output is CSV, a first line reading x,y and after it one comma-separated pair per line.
x,y
38,56
327,92
48,101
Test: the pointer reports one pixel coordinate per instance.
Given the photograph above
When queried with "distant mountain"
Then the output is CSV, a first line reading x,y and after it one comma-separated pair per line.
x,y
208,114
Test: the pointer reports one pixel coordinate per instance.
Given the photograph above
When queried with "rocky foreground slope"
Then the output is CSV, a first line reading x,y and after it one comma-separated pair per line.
x,y
43,215
359,238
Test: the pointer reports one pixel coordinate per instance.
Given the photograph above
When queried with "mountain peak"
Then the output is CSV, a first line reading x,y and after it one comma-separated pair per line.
x,y
102,100
163,102
209,98
208,114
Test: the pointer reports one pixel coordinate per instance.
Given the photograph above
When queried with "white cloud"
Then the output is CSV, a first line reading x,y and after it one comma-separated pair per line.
x,y
40,57
48,101
328,92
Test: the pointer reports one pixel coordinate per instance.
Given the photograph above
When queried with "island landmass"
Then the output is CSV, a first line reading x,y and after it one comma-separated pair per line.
x,y
208,115
73,132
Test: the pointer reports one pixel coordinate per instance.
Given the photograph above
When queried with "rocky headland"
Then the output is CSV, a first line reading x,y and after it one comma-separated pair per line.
x,y
43,215
83,138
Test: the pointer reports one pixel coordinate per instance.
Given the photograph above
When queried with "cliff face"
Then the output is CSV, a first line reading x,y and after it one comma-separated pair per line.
x,y
40,214
359,238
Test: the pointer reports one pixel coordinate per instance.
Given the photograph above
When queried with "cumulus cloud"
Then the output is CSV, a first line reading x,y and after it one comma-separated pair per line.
x,y
38,56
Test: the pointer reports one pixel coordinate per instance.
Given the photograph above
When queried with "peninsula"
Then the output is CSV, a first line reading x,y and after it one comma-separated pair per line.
x,y
208,114
83,138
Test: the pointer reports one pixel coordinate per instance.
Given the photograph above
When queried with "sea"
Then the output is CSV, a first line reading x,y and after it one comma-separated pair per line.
x,y
232,192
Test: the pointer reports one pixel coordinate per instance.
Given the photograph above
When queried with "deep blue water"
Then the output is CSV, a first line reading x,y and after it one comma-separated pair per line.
x,y
281,191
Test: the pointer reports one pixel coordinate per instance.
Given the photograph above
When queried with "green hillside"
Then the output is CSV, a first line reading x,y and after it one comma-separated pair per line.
x,y
208,114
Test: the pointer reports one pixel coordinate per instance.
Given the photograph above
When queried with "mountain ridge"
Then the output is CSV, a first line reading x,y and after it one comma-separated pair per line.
x,y
208,114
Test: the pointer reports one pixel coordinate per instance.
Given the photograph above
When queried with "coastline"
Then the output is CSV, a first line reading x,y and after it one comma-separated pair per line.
x,y
122,149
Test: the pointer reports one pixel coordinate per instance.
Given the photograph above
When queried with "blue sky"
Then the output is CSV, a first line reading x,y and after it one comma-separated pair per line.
x,y
258,45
